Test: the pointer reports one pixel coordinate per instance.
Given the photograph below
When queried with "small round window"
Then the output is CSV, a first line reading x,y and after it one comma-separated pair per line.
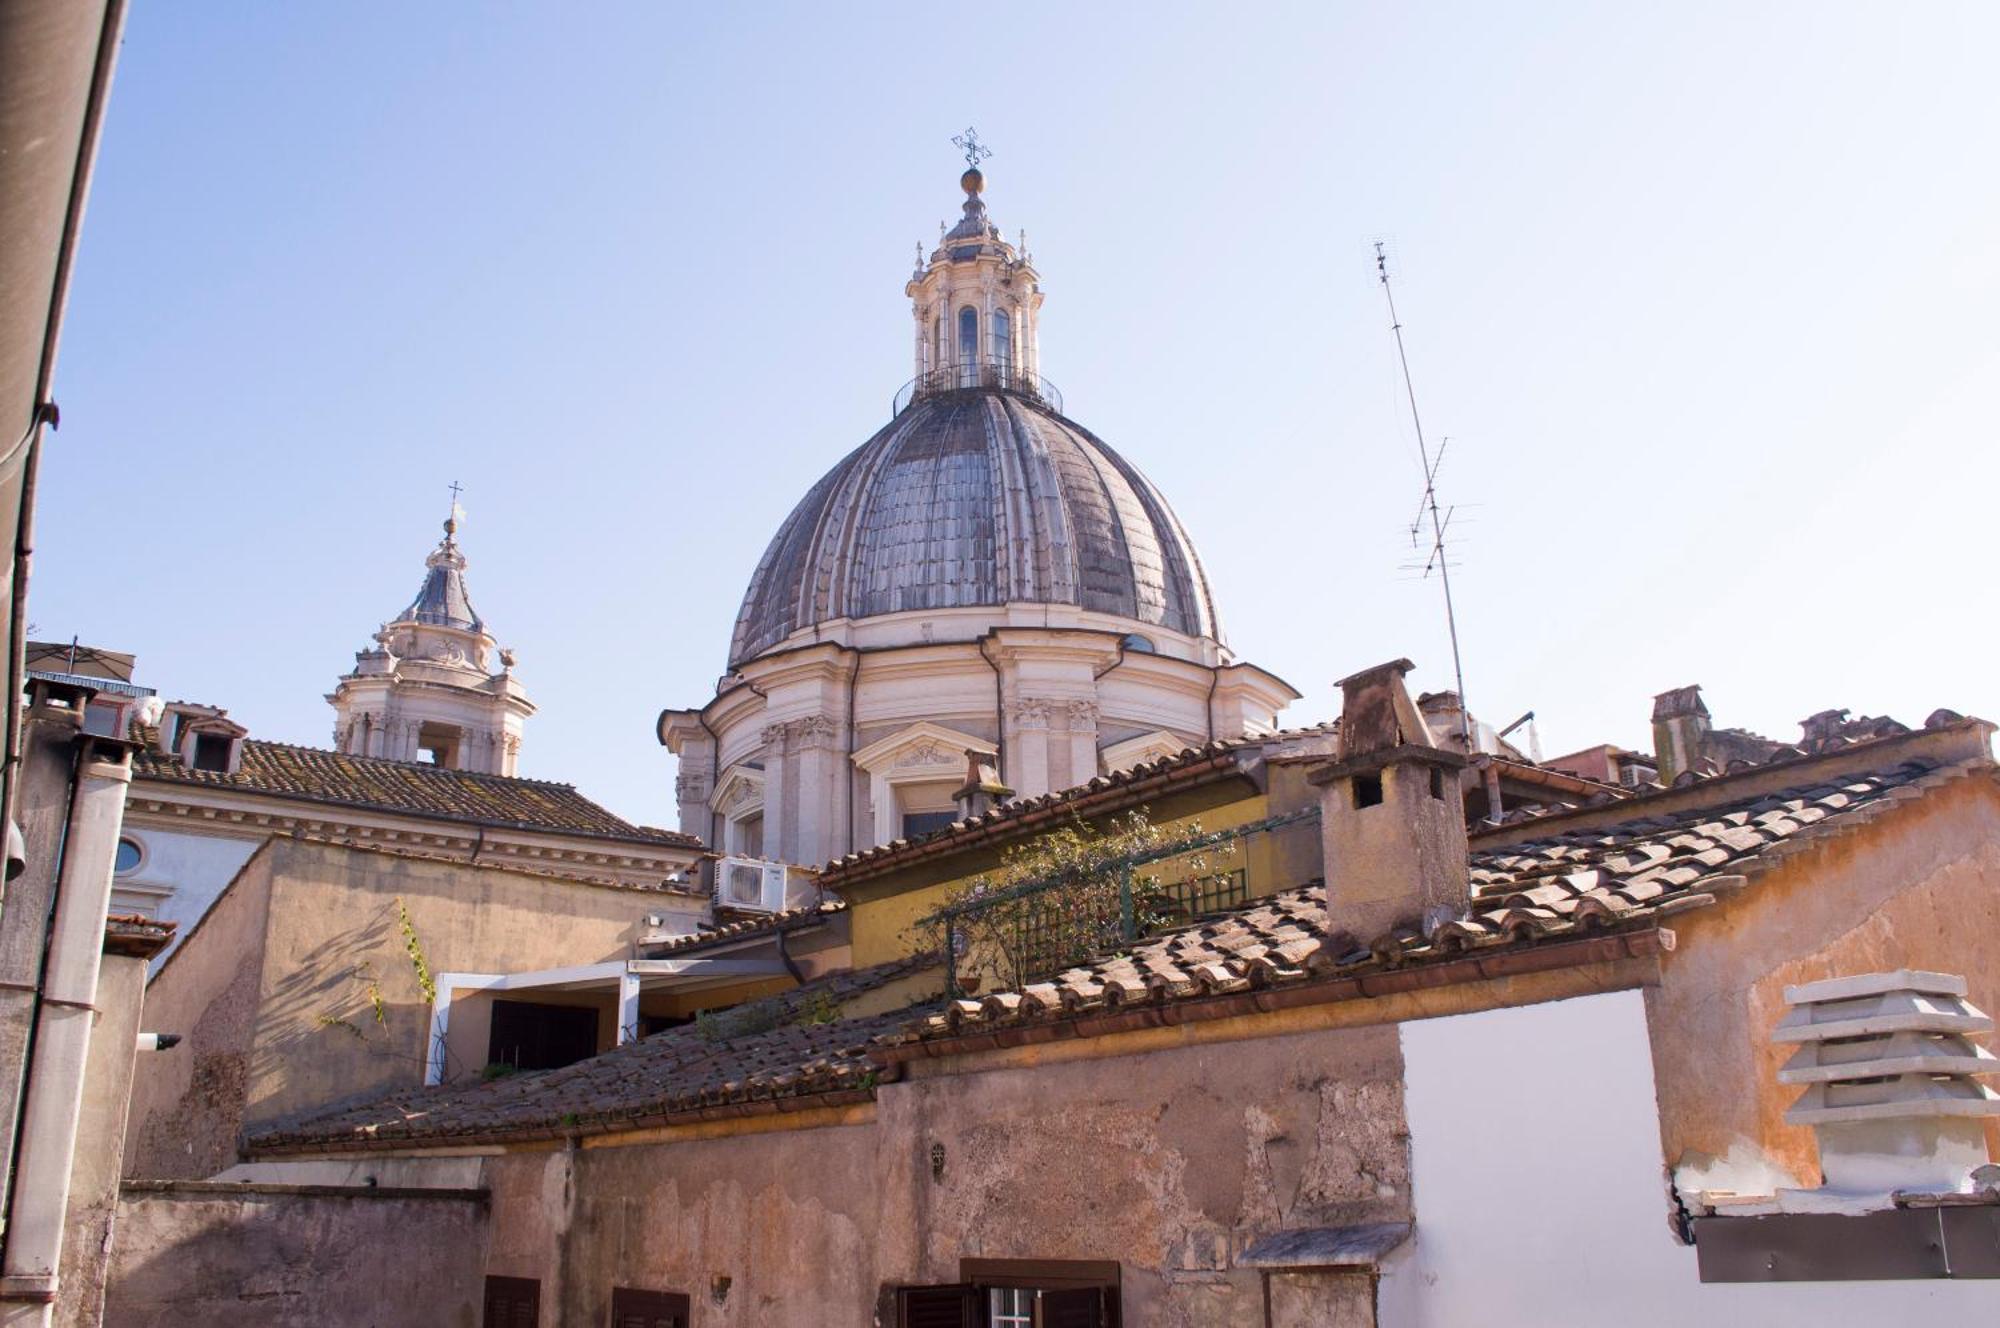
x,y
129,856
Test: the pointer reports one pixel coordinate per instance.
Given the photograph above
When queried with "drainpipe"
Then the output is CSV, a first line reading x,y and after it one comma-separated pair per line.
x,y
47,1149
999,710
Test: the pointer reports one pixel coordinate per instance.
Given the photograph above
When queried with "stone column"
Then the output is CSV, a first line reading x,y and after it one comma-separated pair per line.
x,y
1082,742
1027,770
815,743
780,836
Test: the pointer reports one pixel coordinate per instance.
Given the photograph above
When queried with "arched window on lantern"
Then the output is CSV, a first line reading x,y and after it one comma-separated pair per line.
x,y
968,346
1003,341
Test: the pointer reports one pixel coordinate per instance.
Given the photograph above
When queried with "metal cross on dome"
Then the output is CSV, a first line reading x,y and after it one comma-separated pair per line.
x,y
974,150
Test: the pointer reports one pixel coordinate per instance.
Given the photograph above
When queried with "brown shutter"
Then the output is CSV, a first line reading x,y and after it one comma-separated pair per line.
x,y
632,1308
937,1307
1081,1307
513,1302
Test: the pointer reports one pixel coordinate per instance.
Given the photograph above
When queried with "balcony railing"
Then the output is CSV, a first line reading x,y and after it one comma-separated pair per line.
x,y
1152,894
965,377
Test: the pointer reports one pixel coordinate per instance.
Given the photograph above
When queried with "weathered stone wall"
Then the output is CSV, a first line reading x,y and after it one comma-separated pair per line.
x,y
225,1256
1168,1162
1918,887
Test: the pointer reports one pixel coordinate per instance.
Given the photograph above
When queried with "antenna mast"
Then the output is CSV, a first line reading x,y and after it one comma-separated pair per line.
x,y
1439,523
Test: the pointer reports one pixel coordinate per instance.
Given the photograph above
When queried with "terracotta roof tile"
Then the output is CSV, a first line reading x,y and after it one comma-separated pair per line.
x,y
682,1073
1572,883
312,774
745,929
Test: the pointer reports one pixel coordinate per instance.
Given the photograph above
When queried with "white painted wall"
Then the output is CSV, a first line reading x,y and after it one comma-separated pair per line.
x,y
193,868
1541,1198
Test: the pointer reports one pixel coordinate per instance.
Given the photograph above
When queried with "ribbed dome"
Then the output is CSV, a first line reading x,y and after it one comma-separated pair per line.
x,y
976,497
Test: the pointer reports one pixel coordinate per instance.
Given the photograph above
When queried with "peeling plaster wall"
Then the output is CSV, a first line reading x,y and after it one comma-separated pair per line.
x,y
1916,888
1168,1162
303,1259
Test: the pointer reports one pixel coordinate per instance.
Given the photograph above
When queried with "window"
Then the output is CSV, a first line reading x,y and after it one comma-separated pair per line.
x,y
103,719
512,1302
968,346
1016,1293
749,835
1140,645
1010,1307
529,1035
632,1308
211,752
1003,339
130,855
438,744
1437,783
1367,790
926,823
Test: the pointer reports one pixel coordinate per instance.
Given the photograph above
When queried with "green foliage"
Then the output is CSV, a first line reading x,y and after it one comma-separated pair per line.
x,y
497,1070
1062,898
425,983
818,1008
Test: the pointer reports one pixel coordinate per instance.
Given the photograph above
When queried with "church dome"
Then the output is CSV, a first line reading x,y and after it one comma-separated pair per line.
x,y
977,496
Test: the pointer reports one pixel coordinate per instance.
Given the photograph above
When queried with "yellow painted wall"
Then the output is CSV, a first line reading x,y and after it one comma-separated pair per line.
x,y
882,924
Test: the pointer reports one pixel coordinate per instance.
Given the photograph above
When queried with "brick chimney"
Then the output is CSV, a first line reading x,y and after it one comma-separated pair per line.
x,y
982,790
1392,820
1680,722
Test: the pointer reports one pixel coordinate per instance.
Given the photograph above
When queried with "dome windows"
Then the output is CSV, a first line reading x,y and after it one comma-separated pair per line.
x,y
1003,340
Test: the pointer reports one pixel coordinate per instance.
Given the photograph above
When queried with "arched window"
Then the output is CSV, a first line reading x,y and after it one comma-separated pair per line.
x,y
1003,341
968,346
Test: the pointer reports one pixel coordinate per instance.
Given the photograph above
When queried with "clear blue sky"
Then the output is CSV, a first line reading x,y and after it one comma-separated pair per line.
x,y
1706,296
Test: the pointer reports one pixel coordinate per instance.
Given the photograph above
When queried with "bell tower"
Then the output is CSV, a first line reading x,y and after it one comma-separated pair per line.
x,y
975,299
423,693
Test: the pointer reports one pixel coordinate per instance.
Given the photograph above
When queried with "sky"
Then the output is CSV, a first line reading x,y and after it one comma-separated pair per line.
x,y
1706,299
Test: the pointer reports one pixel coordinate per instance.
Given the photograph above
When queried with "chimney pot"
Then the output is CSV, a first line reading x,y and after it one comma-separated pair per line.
x,y
1392,818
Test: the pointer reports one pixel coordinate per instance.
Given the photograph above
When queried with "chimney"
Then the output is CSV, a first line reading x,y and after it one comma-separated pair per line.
x,y
1392,820
1891,1088
1680,722
982,790
1819,728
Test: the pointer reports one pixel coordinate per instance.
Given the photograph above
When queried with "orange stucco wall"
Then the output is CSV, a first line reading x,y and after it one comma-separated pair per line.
x,y
1918,887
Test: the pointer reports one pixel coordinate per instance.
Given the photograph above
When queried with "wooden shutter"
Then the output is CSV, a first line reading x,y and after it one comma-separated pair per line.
x,y
937,1307
632,1308
513,1302
1079,1307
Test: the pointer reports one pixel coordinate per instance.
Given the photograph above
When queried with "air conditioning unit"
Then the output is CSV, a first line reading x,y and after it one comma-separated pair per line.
x,y
750,883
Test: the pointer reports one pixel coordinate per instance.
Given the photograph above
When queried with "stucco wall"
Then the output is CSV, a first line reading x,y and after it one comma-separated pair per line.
x,y
195,868
335,929
1918,887
100,1141
273,990
185,1104
1168,1162
295,1257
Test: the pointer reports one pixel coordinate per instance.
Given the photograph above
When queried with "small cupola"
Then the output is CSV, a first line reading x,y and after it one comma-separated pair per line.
x,y
975,300
1392,821
426,692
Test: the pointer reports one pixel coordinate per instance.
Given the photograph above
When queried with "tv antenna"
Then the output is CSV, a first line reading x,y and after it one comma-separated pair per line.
x,y
1427,507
